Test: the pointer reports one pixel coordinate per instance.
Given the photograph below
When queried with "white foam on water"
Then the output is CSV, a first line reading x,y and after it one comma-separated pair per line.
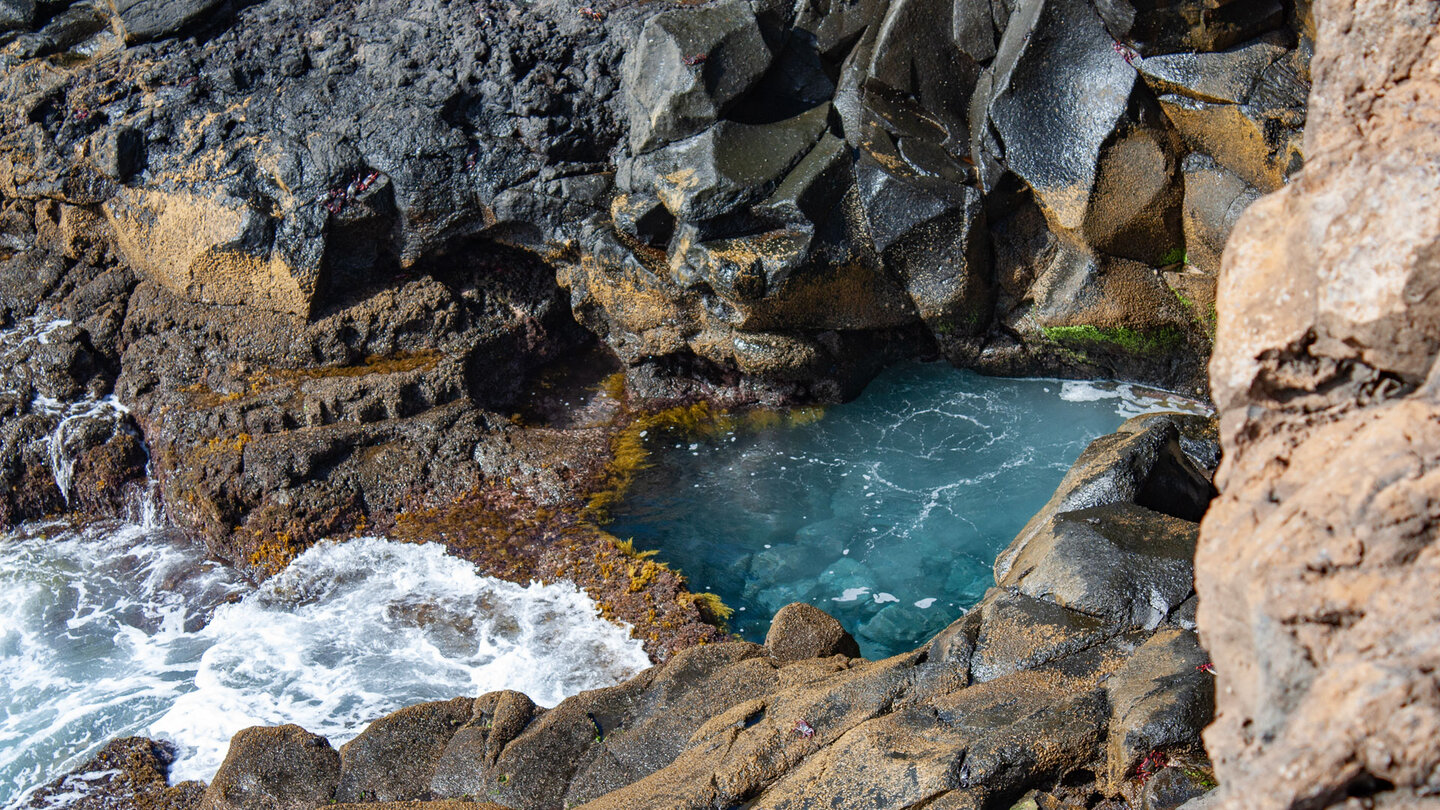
x,y
354,630
94,626
121,630
62,460
1130,400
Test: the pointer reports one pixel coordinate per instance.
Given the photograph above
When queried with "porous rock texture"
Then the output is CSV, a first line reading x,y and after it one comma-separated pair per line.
x,y
312,255
1317,564
1058,686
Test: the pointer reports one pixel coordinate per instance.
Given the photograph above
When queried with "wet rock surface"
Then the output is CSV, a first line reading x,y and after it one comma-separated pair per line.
x,y
313,257
127,772
1027,692
1314,564
279,768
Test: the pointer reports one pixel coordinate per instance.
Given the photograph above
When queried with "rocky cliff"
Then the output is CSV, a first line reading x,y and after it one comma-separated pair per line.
x,y
1317,564
315,258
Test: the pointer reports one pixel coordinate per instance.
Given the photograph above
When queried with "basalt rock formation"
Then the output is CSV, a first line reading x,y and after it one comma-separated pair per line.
x,y
1317,564
1077,678
312,257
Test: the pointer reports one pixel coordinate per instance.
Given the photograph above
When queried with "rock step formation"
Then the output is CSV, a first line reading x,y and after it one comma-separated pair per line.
x,y
1078,677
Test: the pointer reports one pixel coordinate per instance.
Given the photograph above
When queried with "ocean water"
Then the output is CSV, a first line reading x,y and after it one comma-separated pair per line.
x,y
887,512
124,629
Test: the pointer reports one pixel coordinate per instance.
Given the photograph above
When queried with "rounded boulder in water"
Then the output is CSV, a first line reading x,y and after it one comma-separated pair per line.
x,y
800,632
274,768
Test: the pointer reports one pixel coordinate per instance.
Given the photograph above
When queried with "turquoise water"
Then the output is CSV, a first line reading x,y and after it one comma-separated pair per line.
x,y
887,513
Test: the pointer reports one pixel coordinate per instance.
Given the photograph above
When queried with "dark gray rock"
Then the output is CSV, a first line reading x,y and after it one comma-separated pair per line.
x,y
1166,26
1060,93
916,58
973,29
1015,632
1120,562
118,152
800,631
274,768
1225,77
687,66
142,20
724,167
1169,789
1214,200
80,26
1160,700
16,14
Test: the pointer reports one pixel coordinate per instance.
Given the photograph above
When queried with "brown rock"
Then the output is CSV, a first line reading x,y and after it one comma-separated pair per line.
x,y
131,773
394,757
438,804
205,248
274,768
1159,702
800,631
1316,565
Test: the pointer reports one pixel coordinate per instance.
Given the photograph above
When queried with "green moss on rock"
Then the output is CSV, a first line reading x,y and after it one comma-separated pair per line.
x,y
1131,341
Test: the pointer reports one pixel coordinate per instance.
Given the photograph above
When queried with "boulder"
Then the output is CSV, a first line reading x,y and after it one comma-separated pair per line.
x,y
724,167
1172,788
141,20
1315,565
1260,145
1214,200
394,757
16,14
1014,632
274,768
1224,77
1120,562
218,249
1061,92
1143,464
687,66
1166,26
1159,701
496,719
127,772
800,631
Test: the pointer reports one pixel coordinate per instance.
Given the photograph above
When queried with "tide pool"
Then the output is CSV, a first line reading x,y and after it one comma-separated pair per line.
x,y
887,512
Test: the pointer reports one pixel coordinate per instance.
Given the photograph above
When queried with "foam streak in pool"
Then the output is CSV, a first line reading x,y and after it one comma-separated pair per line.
x,y
887,513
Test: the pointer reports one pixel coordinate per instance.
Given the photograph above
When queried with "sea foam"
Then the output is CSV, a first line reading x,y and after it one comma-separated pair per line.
x,y
125,629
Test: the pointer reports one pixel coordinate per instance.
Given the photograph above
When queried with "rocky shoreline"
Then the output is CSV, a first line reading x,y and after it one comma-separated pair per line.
x,y
318,251
318,269
1078,678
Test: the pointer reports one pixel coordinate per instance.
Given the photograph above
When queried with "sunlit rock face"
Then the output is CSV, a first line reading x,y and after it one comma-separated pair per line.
x,y
729,193
1315,563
